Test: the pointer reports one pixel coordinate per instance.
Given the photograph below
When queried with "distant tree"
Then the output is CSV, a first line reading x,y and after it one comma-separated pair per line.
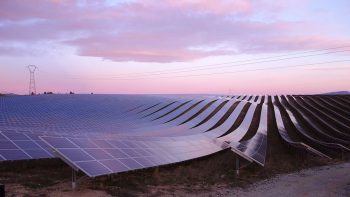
x,y
71,92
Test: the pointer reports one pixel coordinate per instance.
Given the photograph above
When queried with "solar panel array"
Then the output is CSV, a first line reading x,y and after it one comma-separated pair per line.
x,y
104,134
21,146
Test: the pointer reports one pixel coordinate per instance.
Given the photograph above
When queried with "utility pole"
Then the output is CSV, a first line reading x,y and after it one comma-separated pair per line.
x,y
32,88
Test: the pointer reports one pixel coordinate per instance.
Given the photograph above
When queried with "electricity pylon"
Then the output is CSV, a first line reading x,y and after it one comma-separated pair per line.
x,y
32,88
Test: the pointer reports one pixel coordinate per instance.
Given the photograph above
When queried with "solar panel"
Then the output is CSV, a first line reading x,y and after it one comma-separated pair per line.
x,y
200,117
93,168
334,107
115,165
285,136
224,128
309,135
19,146
255,147
176,122
151,118
324,132
124,155
332,124
185,129
176,114
329,110
238,133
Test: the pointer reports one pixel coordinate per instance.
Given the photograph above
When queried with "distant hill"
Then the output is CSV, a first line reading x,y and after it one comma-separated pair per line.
x,y
337,93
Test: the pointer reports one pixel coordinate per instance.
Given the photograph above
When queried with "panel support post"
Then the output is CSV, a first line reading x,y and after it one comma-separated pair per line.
x,y
74,179
156,174
237,165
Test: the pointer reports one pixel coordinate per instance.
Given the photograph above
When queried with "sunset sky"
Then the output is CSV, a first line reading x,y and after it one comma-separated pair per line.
x,y
176,46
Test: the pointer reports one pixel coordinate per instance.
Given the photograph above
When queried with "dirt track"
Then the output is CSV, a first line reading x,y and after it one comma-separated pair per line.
x,y
321,181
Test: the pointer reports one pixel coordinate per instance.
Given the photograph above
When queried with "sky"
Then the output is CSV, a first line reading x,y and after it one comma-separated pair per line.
x,y
175,46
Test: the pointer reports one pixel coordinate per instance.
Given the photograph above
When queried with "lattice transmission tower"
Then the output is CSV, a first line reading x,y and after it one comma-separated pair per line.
x,y
32,88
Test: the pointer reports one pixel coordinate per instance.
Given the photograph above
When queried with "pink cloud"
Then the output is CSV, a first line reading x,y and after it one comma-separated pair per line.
x,y
214,6
154,31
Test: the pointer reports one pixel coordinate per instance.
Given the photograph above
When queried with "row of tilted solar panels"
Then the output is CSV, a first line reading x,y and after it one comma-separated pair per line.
x,y
210,126
71,114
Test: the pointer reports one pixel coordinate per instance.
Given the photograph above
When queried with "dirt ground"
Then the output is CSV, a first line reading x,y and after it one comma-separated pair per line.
x,y
331,180
60,190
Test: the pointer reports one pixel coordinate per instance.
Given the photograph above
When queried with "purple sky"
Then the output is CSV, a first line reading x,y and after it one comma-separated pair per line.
x,y
176,46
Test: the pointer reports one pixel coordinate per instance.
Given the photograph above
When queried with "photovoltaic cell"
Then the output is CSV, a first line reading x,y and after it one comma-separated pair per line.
x,y
144,161
2,137
14,154
102,144
131,163
6,144
26,144
117,153
75,154
38,153
83,143
93,168
144,152
59,142
115,165
15,136
132,152
98,153
118,144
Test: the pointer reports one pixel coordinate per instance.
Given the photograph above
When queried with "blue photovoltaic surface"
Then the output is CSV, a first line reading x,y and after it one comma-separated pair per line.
x,y
104,134
20,146
125,155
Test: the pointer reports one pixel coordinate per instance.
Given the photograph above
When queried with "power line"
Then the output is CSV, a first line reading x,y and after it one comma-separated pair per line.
x,y
230,72
185,69
249,63
224,65
270,68
332,69
229,66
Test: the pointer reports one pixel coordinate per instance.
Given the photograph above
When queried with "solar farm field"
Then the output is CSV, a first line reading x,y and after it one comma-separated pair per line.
x,y
116,135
